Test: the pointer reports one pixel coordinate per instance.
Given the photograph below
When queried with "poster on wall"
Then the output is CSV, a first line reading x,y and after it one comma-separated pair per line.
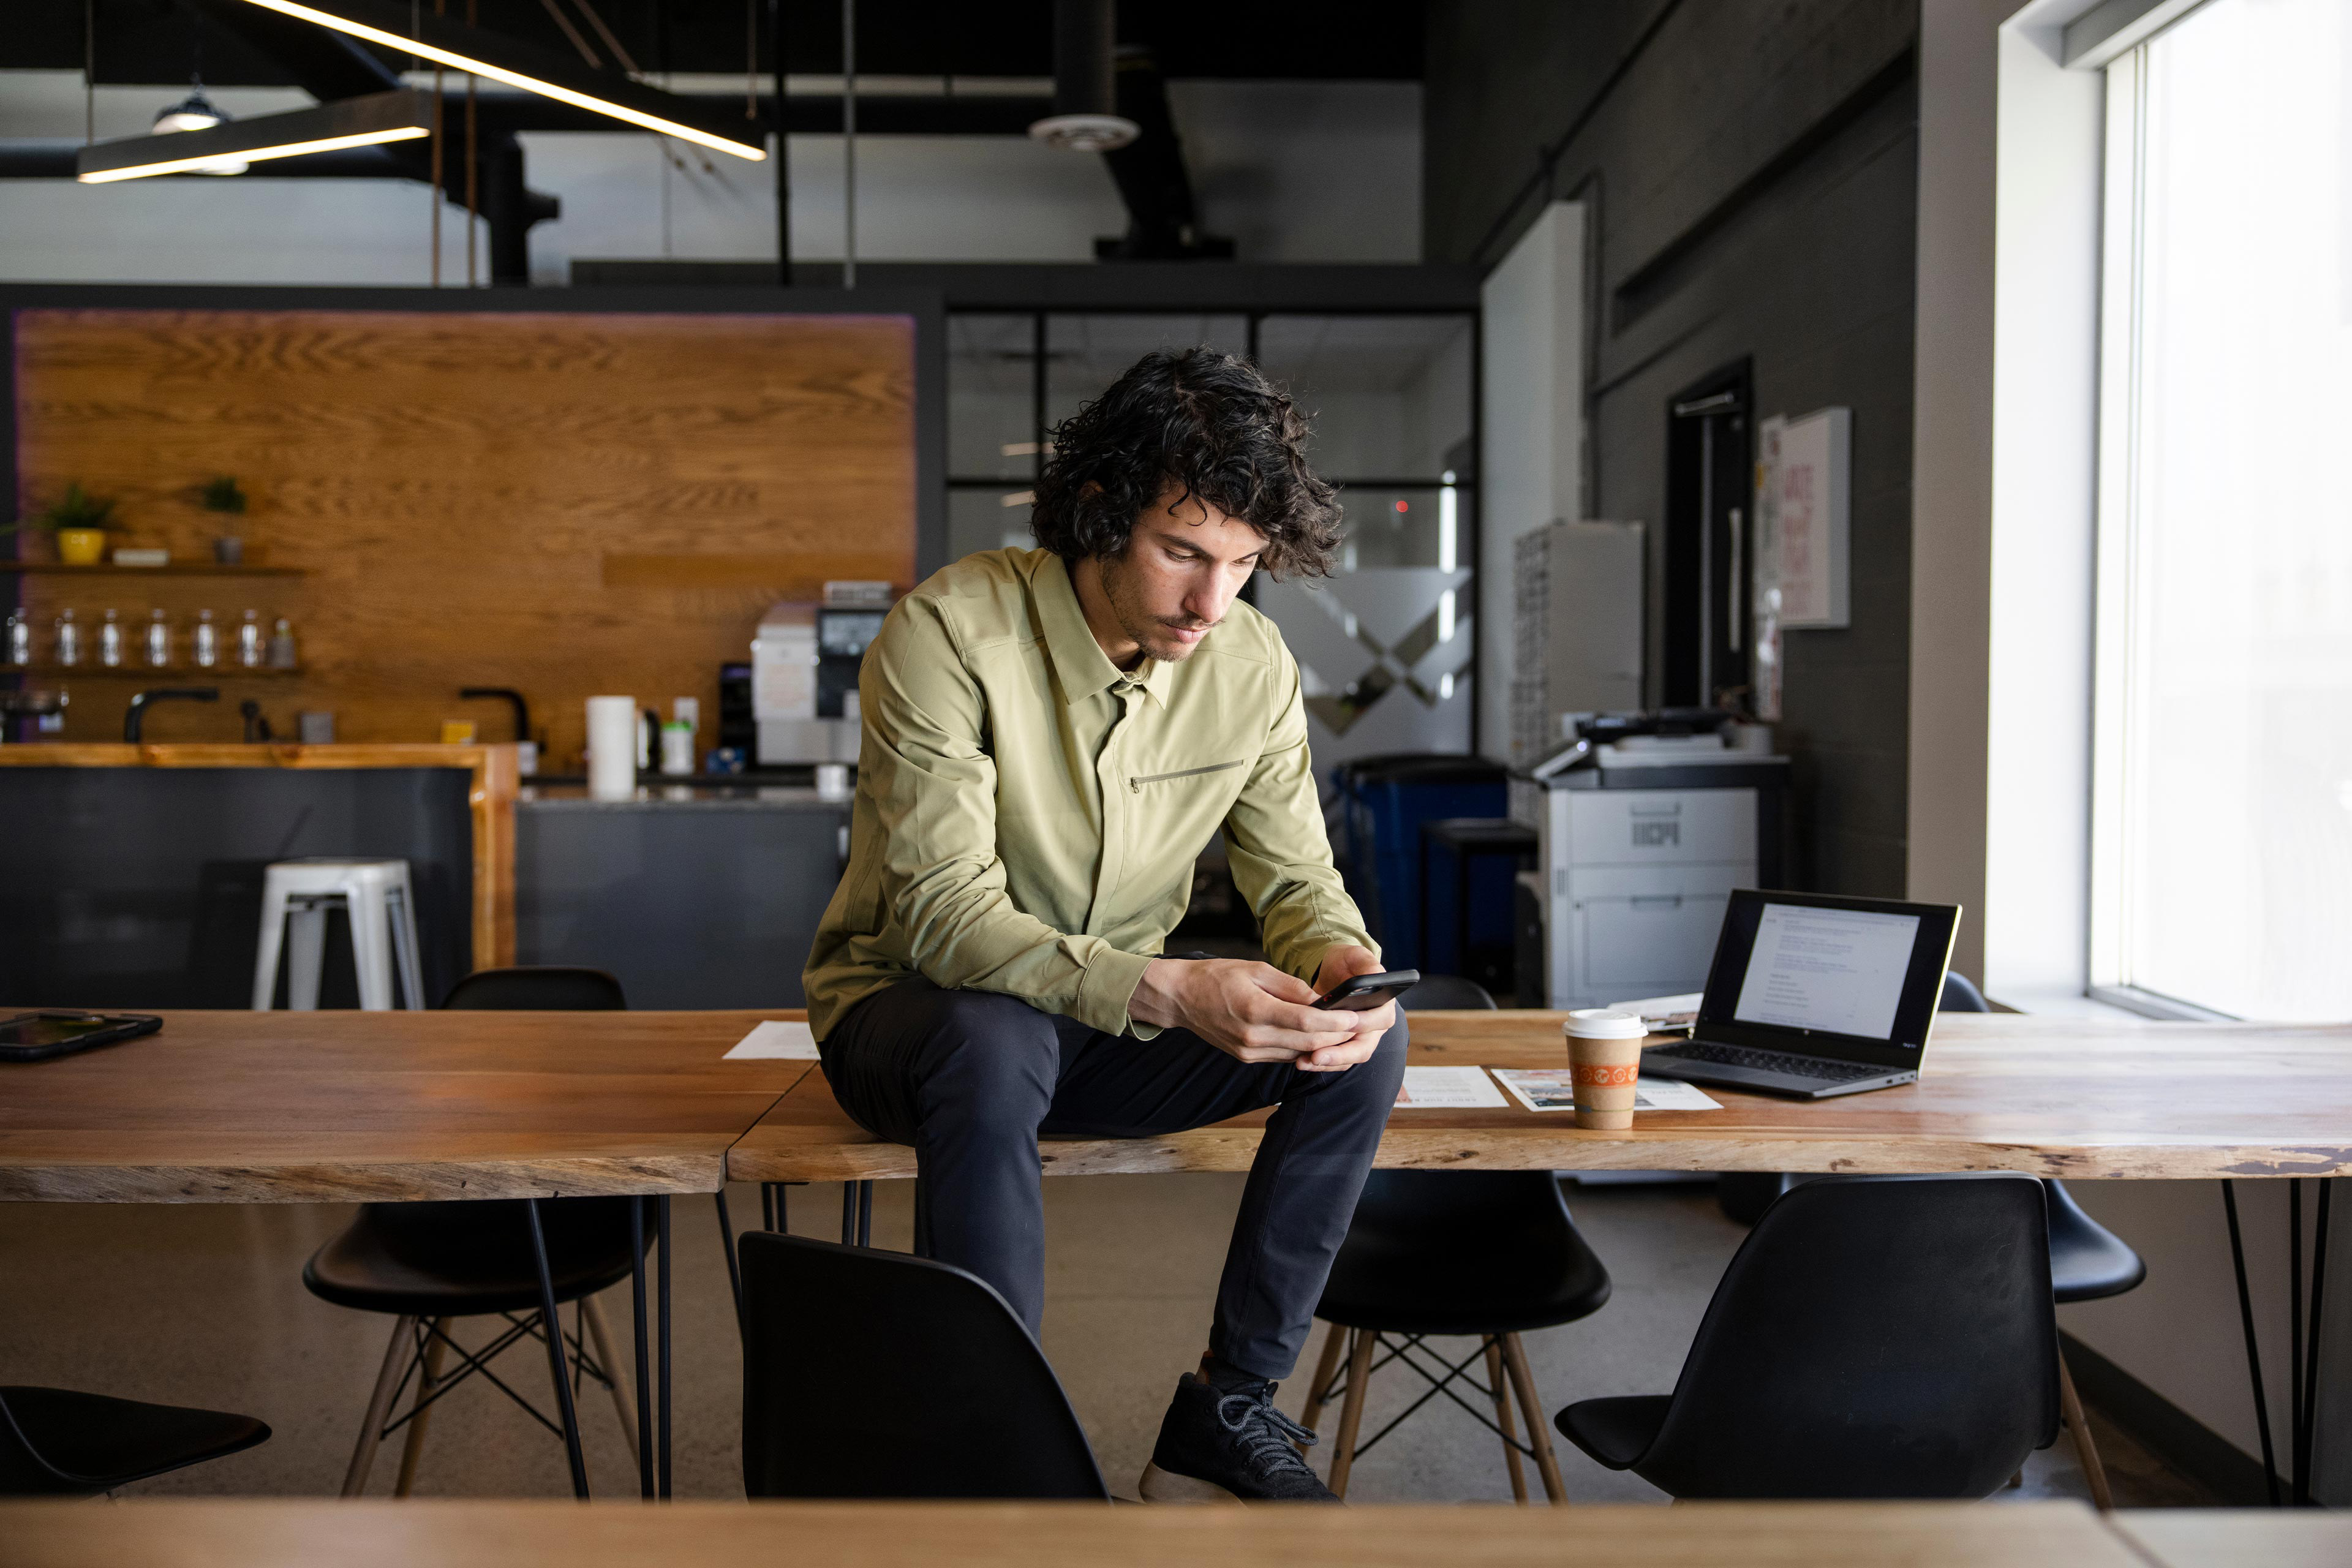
x,y
1808,503
1764,591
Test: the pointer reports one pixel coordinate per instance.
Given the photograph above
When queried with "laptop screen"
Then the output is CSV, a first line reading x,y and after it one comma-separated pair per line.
x,y
1856,979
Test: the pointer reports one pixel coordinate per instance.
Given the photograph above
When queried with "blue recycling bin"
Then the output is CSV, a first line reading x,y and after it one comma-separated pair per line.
x,y
1384,801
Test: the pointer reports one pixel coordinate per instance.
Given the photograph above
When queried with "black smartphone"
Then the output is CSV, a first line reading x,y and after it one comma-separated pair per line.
x,y
1362,992
38,1037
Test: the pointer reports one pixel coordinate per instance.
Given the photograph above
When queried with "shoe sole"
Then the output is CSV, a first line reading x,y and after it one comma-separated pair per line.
x,y
1166,1486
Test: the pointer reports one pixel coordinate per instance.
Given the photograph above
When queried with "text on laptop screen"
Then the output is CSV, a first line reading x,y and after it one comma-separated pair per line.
x,y
1836,970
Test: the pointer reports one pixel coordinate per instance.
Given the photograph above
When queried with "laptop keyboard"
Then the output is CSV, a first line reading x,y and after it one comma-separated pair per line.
x,y
1771,1061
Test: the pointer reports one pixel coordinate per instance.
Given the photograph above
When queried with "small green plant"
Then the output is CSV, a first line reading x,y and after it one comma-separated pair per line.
x,y
221,494
75,509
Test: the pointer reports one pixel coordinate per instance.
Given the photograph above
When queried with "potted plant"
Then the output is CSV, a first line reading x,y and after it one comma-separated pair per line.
x,y
222,497
80,521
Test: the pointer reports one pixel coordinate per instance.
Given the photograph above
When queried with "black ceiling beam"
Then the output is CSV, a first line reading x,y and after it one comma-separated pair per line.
x,y
807,114
145,42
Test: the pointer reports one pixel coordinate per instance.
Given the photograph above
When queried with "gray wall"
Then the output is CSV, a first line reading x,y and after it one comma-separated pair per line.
x,y
1751,169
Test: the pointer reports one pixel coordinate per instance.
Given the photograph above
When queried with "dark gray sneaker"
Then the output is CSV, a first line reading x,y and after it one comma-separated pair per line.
x,y
1232,1446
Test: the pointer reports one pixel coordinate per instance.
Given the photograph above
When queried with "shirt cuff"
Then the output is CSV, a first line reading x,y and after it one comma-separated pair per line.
x,y
1107,987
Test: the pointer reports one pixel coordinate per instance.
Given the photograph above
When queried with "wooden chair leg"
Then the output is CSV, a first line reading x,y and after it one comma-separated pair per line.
x,y
419,1412
1538,1437
379,1405
2069,1407
1335,1340
601,1334
1494,1379
1352,1412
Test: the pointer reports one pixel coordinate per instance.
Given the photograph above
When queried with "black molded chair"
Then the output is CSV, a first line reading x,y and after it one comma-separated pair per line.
x,y
1484,1254
2087,1260
1874,1337
55,1442
425,1263
876,1374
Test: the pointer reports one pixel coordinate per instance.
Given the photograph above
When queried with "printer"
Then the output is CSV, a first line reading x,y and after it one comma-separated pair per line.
x,y
1646,822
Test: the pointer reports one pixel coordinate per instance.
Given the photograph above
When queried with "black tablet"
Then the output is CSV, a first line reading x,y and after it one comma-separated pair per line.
x,y
38,1037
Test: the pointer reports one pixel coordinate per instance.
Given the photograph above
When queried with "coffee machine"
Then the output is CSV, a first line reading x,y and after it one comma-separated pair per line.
x,y
804,663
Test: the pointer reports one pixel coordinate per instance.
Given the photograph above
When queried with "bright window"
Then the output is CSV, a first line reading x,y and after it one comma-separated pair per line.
x,y
2222,828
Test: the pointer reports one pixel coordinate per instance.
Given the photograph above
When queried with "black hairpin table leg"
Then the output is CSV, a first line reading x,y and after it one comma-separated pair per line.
x,y
554,1326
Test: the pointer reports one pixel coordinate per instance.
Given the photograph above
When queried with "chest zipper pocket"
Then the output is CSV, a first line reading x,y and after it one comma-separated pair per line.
x,y
1135,785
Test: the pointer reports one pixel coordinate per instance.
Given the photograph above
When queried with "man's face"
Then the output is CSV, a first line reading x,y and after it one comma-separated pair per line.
x,y
1183,564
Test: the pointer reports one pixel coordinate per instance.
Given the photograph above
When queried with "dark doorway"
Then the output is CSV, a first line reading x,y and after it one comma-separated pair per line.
x,y
1710,469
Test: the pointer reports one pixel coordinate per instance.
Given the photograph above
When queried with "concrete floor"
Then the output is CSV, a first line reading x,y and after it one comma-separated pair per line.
x,y
204,1305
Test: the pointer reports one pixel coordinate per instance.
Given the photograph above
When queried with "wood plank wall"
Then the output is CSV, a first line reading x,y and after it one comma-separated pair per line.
x,y
565,504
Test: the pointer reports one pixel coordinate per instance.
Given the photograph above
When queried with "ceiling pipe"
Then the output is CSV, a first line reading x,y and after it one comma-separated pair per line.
x,y
1163,222
1086,117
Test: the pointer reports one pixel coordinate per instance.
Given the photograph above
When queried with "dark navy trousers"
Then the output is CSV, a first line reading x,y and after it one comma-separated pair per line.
x,y
971,1078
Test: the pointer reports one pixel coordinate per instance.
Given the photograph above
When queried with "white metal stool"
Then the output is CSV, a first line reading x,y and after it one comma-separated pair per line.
x,y
375,893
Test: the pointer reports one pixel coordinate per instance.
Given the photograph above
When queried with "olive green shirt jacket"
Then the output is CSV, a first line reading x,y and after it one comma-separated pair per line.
x,y
1028,815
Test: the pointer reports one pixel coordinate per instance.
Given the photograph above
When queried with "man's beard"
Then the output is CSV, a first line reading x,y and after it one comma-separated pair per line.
x,y
1150,633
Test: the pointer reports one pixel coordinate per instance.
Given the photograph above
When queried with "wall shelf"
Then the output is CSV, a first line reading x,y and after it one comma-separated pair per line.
x,y
148,671
170,569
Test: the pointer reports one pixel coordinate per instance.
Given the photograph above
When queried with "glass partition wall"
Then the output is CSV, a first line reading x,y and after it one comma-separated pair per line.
x,y
1385,644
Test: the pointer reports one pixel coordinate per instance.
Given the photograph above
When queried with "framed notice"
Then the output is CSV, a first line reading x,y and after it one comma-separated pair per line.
x,y
1810,483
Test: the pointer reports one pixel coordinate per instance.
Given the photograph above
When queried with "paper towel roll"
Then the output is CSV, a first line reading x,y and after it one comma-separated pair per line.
x,y
613,728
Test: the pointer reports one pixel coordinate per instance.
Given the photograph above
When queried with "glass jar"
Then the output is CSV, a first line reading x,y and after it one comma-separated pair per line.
x,y
282,653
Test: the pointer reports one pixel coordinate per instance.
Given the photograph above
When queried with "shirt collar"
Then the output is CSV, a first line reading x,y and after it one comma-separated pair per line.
x,y
1079,662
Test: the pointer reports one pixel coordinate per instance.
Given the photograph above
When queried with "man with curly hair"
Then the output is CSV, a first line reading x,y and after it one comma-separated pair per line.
x,y
1051,736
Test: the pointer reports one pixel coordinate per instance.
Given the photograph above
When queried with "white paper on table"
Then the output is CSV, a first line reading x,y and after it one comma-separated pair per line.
x,y
1552,1088
774,1040
1448,1088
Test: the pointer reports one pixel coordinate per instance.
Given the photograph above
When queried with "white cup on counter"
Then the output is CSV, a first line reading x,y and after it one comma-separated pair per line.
x,y
832,781
615,732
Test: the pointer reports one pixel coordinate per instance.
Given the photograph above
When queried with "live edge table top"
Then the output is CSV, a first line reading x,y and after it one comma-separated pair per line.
x,y
238,1107
2075,1097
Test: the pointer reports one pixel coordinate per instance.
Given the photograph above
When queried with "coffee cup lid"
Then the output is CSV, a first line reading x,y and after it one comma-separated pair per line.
x,y
1600,1024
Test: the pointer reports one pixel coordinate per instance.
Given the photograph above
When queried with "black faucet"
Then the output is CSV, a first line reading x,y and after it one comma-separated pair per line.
x,y
522,708
140,700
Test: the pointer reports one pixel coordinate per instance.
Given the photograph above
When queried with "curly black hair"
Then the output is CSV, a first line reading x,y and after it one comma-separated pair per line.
x,y
1201,419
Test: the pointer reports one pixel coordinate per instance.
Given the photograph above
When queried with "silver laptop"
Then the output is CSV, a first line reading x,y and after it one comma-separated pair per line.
x,y
1812,996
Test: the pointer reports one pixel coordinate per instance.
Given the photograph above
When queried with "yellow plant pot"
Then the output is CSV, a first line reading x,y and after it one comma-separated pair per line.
x,y
81,547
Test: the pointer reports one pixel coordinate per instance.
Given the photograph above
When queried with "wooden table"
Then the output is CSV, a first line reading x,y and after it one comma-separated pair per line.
x,y
343,1107
2072,1098
2052,1097
272,1534
2242,1538
346,1107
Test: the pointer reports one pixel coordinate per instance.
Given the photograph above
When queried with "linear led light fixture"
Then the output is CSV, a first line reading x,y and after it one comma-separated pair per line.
x,y
379,117
533,69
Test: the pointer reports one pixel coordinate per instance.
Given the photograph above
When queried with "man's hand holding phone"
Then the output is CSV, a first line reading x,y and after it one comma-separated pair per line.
x,y
1252,1012
1343,963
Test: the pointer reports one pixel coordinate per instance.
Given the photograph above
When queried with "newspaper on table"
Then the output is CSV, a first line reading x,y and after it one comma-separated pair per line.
x,y
1552,1088
774,1040
1448,1088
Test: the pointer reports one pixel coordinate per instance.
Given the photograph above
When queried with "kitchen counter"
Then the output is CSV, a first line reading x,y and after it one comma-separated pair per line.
x,y
684,796
694,894
130,874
